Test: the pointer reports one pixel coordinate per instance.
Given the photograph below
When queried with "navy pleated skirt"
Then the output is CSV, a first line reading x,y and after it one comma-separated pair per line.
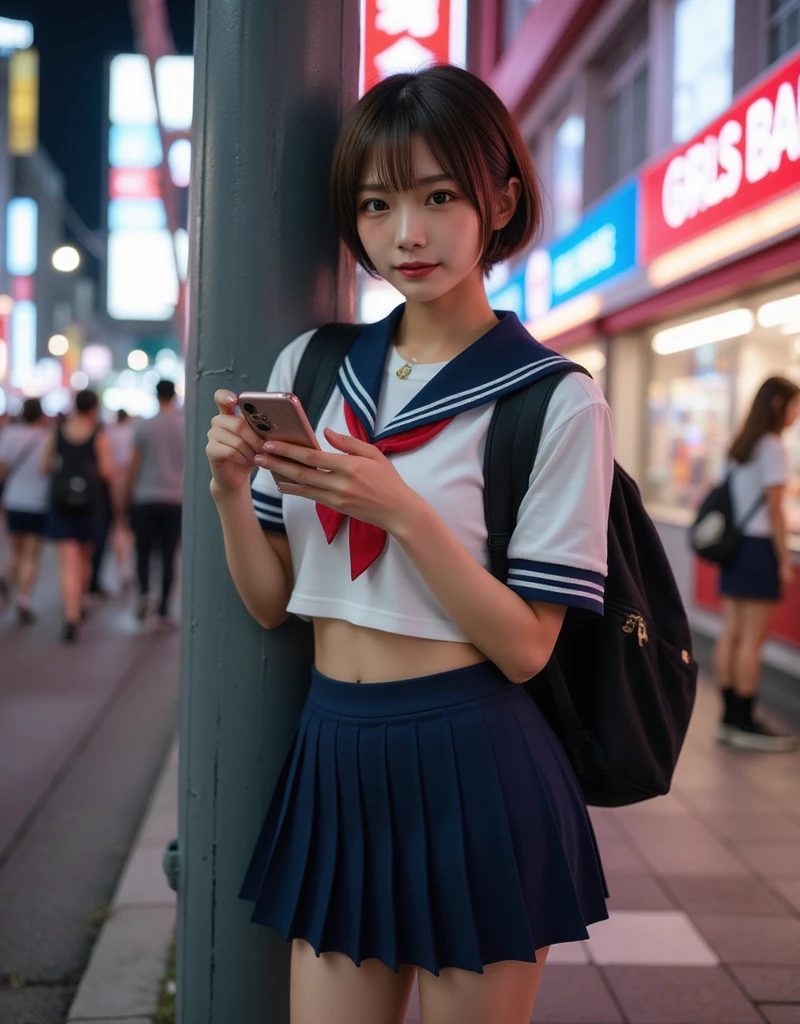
x,y
432,821
753,572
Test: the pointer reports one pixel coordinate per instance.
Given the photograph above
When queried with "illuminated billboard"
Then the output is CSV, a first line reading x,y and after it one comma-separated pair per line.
x,y
147,254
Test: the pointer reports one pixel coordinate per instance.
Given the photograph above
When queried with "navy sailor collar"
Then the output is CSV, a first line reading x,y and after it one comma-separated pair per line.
x,y
502,360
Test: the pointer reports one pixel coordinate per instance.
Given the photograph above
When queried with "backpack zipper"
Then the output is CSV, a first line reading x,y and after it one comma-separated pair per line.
x,y
637,622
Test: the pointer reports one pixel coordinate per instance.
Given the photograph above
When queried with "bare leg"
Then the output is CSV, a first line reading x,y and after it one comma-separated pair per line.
x,y
14,558
332,989
71,575
726,644
504,994
754,627
28,569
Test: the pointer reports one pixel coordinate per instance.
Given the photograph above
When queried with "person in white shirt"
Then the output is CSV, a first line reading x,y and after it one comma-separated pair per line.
x,y
428,822
752,583
25,500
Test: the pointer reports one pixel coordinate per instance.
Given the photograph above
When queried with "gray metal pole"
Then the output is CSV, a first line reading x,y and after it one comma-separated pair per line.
x,y
272,80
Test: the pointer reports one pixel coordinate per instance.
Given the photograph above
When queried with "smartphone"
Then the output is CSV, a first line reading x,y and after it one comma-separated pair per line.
x,y
277,415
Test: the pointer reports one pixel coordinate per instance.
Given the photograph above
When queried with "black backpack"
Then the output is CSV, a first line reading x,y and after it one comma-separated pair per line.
x,y
75,488
715,535
619,689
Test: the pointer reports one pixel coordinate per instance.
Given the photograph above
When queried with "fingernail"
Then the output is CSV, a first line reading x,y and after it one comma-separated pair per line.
x,y
260,460
268,447
231,399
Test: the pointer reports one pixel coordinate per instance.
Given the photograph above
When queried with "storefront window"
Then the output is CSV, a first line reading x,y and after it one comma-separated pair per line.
x,y
703,68
784,27
568,172
698,398
624,71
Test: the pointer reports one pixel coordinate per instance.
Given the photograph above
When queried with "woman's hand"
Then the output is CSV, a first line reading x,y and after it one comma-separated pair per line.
x,y
362,483
232,446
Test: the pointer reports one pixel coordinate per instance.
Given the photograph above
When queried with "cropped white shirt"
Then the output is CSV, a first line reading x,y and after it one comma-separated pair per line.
x,y
557,552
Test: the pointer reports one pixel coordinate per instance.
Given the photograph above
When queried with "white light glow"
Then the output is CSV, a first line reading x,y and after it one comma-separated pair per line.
x,y
3,361
23,341
782,311
15,35
175,85
96,361
137,359
6,305
142,282
66,259
131,99
79,380
577,311
793,327
180,162
58,345
720,327
56,401
22,219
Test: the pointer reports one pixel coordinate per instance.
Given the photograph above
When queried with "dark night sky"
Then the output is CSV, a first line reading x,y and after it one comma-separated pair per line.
x,y
73,38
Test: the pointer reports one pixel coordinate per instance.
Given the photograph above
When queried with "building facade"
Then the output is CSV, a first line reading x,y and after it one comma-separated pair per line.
x,y
667,137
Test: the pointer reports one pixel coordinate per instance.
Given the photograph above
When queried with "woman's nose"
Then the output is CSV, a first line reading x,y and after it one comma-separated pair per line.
x,y
409,231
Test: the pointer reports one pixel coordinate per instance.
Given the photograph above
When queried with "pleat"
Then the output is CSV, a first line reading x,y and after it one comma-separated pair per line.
x,y
415,939
293,843
553,908
321,868
280,803
343,922
496,888
454,924
378,935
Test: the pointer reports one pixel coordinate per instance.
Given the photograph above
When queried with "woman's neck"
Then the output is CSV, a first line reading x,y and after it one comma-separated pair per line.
x,y
433,332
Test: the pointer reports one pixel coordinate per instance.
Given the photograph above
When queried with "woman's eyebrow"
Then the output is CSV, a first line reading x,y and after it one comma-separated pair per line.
x,y
431,179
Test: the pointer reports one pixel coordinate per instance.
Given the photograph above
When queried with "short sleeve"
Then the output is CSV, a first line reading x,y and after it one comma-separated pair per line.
x,y
774,461
558,551
6,446
267,499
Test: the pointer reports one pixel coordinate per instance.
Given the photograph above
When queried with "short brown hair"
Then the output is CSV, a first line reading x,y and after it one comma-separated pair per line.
x,y
470,133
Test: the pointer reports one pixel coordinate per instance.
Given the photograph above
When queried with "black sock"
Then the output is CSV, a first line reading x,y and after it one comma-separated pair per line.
x,y
744,711
729,704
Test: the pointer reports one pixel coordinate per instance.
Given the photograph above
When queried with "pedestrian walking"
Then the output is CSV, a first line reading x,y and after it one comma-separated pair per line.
x,y
120,439
754,579
155,486
78,459
427,822
25,499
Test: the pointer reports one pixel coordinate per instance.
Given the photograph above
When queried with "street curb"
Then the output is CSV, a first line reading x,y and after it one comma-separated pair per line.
x,y
123,980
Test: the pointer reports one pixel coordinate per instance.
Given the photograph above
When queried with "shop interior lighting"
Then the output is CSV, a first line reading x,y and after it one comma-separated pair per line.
x,y
781,311
6,305
564,318
723,242
66,258
793,327
720,327
58,345
138,360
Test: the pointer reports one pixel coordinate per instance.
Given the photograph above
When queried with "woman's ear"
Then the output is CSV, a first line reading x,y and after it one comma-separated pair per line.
x,y
506,204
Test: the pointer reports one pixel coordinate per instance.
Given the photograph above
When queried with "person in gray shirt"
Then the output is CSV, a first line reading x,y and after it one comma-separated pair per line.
x,y
155,490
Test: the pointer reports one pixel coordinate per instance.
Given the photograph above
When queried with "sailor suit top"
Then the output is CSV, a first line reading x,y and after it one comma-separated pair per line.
x,y
557,551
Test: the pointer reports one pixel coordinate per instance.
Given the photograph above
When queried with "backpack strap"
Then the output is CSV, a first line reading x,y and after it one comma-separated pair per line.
x,y
511,446
319,367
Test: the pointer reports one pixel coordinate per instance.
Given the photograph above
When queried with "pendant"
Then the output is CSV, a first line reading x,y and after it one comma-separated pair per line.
x,y
403,372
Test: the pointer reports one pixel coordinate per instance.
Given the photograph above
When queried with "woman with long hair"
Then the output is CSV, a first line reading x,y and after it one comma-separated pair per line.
x,y
752,583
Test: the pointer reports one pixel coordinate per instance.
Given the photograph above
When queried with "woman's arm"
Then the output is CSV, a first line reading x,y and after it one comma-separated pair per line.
x,y
259,563
517,635
777,519
48,455
105,464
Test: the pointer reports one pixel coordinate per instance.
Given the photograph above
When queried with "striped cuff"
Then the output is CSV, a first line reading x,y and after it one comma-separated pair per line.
x,y
269,511
558,584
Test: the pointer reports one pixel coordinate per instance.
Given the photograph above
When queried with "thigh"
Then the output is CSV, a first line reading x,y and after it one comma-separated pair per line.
x,y
731,616
756,617
332,989
503,994
31,543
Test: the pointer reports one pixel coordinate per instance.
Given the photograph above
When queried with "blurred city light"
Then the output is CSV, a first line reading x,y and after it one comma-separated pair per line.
x,y
180,162
793,327
6,305
137,359
22,233
58,345
721,327
56,401
79,380
24,316
563,318
782,311
96,361
66,258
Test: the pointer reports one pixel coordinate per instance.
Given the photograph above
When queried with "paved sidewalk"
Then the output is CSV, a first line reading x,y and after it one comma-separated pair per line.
x,y
705,904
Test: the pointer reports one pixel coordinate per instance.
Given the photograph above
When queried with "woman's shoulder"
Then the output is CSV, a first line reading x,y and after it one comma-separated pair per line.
x,y
285,366
576,394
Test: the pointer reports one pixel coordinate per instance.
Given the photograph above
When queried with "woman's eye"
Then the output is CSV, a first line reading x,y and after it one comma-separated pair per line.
x,y
440,198
374,206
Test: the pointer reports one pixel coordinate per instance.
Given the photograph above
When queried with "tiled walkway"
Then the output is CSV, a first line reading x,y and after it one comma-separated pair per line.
x,y
705,899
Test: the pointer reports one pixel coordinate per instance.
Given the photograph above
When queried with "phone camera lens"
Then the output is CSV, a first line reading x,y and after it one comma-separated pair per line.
x,y
263,426
249,407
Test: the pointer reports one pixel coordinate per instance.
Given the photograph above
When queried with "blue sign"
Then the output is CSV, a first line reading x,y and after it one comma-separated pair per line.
x,y
601,248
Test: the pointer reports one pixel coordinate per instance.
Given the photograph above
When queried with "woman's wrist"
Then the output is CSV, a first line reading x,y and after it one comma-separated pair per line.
x,y
412,516
224,495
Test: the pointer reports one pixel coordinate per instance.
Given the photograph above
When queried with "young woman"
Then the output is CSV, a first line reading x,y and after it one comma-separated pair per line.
x,y
752,583
426,822
25,500
79,445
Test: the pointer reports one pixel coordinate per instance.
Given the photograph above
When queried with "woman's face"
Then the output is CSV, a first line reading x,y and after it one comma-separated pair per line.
x,y
433,226
792,411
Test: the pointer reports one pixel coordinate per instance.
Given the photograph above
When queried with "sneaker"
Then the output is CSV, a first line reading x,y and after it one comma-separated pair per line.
x,y
70,634
723,732
143,610
757,736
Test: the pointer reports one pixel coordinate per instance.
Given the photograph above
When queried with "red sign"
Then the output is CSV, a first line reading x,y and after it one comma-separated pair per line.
x,y
403,36
133,183
749,155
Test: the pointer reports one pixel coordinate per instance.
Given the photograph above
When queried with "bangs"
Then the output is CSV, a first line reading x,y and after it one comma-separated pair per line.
x,y
387,154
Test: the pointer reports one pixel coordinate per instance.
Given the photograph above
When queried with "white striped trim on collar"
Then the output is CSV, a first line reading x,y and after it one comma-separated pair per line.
x,y
482,391
359,395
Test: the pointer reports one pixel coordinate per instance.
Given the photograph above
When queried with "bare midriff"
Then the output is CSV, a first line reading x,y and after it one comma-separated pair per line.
x,y
357,654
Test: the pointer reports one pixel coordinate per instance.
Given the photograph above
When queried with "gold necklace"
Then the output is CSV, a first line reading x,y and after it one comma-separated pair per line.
x,y
405,369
